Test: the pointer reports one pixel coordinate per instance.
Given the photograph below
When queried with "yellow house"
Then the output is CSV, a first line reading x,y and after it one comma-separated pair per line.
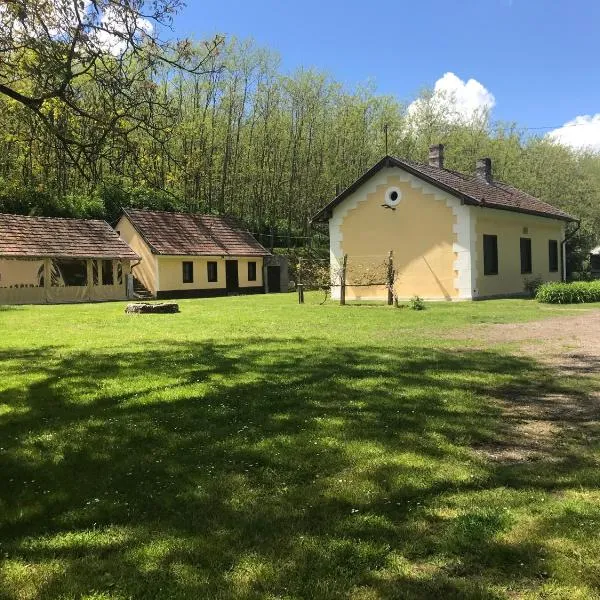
x,y
48,260
452,236
191,255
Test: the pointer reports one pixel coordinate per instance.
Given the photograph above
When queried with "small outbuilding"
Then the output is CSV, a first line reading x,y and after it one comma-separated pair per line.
x,y
276,272
192,255
52,260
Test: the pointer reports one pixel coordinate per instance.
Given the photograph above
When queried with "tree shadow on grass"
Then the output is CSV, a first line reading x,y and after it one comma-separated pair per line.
x,y
282,468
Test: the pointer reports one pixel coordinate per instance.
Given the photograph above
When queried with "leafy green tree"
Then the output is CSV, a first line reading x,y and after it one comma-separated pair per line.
x,y
85,69
220,129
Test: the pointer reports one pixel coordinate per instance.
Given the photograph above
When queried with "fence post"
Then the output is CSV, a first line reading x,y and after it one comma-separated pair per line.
x,y
390,278
343,281
300,285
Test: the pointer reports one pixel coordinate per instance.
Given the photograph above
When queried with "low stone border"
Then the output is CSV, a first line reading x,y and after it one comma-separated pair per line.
x,y
147,308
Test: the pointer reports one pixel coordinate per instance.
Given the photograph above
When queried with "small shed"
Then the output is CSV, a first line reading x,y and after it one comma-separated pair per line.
x,y
595,262
188,255
52,260
276,275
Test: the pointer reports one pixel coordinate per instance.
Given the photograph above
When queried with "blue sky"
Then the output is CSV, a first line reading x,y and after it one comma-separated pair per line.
x,y
537,58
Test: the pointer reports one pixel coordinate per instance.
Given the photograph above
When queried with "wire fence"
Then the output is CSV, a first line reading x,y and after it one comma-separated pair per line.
x,y
341,273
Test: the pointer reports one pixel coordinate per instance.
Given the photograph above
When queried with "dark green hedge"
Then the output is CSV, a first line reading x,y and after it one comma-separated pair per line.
x,y
569,293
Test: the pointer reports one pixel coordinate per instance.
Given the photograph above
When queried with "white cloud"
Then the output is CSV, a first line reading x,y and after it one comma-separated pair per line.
x,y
110,27
582,132
118,26
457,100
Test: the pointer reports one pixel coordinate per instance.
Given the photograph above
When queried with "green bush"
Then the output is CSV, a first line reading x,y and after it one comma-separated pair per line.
x,y
569,293
531,286
417,303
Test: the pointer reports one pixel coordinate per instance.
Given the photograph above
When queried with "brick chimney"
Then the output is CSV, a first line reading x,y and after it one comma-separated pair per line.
x,y
483,170
436,156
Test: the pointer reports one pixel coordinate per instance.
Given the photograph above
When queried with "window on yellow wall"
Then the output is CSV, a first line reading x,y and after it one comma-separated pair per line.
x,y
188,271
252,271
526,266
552,256
211,271
490,255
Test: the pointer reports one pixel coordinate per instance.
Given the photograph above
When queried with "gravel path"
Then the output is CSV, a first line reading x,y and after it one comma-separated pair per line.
x,y
541,421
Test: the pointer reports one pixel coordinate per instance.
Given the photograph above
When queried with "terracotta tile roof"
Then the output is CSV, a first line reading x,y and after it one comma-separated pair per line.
x,y
467,187
192,234
60,238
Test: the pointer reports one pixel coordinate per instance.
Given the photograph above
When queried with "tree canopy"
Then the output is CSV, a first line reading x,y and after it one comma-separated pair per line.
x,y
85,69
98,112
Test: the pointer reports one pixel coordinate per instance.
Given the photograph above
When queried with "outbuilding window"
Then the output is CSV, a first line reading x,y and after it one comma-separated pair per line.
x,y
188,271
211,268
252,271
553,256
490,255
107,272
526,266
69,272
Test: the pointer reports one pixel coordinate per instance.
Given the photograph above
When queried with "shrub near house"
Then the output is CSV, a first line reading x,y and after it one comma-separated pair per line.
x,y
577,292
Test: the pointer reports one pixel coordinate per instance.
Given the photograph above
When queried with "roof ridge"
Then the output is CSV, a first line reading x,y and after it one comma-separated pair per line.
x,y
29,236
36,217
497,183
129,210
178,233
467,176
466,187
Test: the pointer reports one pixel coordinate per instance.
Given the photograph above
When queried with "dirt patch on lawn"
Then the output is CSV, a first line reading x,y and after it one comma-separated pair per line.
x,y
571,344
543,420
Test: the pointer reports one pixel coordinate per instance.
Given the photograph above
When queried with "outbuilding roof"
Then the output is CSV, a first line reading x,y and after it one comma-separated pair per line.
x,y
468,188
40,237
186,234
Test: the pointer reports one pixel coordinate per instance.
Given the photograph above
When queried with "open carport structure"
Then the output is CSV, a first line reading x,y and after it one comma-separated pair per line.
x,y
47,260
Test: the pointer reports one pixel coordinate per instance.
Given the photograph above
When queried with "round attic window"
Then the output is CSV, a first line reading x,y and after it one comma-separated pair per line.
x,y
393,196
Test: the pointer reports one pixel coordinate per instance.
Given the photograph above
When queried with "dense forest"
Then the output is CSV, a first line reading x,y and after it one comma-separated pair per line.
x,y
243,138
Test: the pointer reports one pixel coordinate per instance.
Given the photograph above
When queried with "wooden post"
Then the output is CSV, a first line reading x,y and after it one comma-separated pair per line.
x,y
390,278
47,278
343,281
299,284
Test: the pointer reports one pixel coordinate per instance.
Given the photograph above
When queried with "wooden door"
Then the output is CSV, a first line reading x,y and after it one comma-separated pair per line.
x,y
274,279
232,281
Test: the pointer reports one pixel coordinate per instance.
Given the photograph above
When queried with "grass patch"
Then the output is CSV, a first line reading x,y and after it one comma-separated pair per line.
x,y
253,448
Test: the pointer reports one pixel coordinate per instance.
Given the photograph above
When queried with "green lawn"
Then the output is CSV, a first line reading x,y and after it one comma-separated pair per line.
x,y
250,448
